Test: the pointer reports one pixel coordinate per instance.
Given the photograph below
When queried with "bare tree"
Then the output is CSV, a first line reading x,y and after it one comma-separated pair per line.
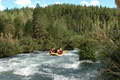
x,y
117,3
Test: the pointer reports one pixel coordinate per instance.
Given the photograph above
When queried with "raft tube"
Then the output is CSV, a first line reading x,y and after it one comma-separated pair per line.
x,y
56,54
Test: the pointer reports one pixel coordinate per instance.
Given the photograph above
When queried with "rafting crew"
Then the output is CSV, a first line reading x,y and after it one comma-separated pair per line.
x,y
53,50
59,51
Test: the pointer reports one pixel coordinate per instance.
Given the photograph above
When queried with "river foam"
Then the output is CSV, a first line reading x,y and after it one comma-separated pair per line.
x,y
39,65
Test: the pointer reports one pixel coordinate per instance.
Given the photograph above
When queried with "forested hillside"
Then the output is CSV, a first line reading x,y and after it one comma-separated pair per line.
x,y
67,26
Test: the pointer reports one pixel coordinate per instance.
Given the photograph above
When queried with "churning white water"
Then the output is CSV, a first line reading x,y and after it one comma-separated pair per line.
x,y
41,66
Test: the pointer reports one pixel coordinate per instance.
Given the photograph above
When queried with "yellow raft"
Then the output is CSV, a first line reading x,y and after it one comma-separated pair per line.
x,y
56,54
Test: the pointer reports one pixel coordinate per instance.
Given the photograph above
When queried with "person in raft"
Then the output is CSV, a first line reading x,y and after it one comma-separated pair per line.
x,y
53,50
60,51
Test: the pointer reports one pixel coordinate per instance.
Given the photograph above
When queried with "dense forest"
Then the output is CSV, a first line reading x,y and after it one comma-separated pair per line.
x,y
55,26
93,29
66,26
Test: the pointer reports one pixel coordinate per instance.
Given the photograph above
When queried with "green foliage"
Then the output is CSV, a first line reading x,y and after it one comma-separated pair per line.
x,y
67,26
57,29
39,23
27,44
105,48
76,40
48,44
9,46
112,65
1,25
28,29
110,57
18,27
8,49
9,26
88,49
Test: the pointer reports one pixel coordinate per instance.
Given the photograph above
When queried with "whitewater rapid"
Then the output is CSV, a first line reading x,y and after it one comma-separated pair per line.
x,y
41,66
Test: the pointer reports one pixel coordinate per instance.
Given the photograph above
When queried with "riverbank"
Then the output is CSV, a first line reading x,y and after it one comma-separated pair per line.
x,y
10,46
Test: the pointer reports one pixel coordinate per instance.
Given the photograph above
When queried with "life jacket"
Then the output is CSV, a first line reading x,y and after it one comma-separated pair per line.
x,y
60,52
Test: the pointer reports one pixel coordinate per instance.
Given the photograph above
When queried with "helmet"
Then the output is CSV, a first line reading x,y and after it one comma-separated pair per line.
x,y
53,48
60,48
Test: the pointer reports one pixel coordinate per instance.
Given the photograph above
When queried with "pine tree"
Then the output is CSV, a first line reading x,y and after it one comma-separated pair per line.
x,y
18,27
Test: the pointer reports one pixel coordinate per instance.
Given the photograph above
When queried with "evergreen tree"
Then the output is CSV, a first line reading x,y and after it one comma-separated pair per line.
x,y
28,29
18,27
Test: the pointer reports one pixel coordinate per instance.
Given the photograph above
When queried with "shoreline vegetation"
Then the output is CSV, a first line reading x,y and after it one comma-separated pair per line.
x,y
94,30
111,57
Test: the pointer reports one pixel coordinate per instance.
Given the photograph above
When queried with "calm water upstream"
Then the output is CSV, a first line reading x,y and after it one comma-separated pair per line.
x,y
41,66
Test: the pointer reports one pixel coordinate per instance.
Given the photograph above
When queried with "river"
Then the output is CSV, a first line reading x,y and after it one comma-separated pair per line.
x,y
41,66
